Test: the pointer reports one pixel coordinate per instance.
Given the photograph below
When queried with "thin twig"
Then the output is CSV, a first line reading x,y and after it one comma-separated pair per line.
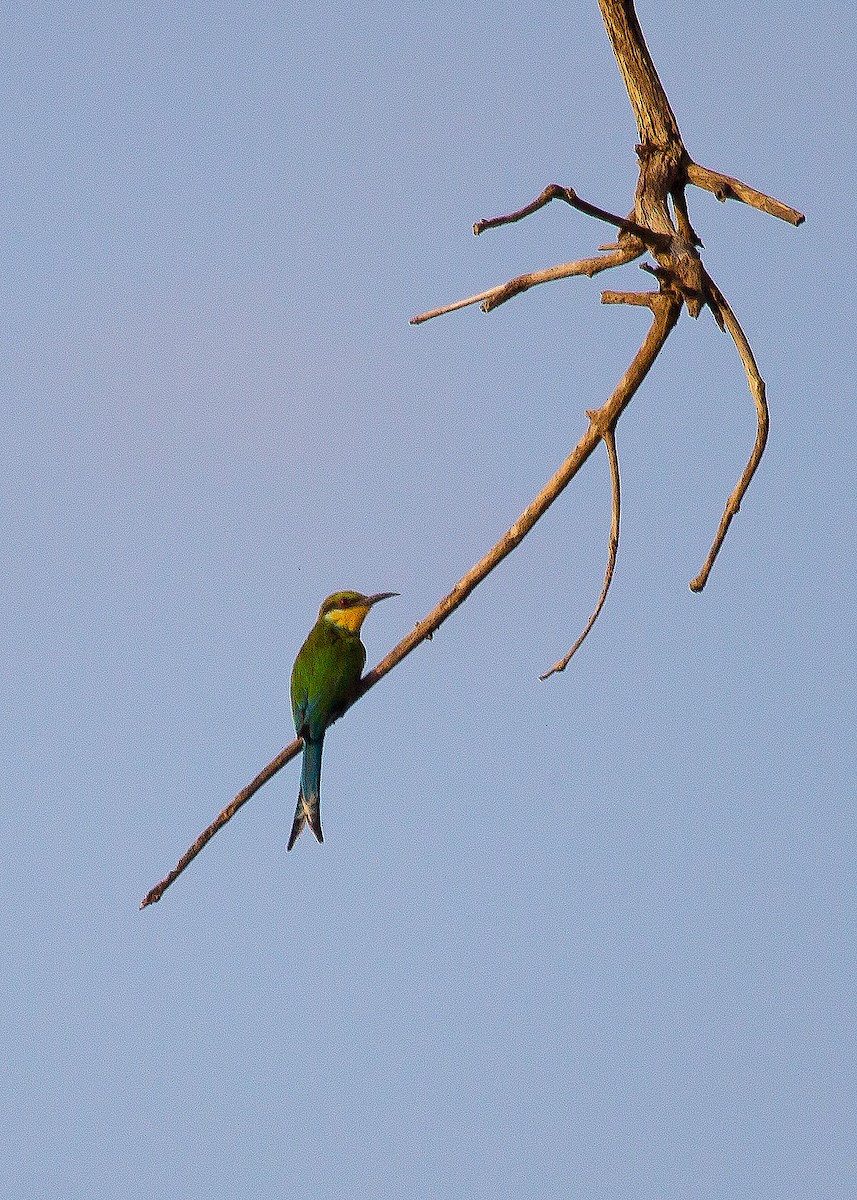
x,y
724,187
477,299
285,755
627,250
633,241
665,308
609,439
726,318
555,191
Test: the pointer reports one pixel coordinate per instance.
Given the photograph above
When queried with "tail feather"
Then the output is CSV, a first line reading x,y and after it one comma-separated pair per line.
x,y
308,811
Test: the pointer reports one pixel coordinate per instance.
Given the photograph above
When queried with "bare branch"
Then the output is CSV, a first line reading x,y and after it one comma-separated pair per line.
x,y
555,191
655,119
633,241
724,187
477,299
685,229
609,439
726,318
639,299
286,755
666,308
498,295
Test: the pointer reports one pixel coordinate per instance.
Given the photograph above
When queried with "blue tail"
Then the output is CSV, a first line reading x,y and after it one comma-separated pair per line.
x,y
308,811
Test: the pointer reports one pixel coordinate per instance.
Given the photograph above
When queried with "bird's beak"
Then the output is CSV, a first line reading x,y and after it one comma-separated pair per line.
x,y
370,600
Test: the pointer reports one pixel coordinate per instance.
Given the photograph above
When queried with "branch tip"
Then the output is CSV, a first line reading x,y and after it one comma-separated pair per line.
x,y
607,434
729,321
725,187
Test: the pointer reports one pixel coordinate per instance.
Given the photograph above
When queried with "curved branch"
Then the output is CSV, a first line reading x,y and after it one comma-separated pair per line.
x,y
609,439
665,307
727,319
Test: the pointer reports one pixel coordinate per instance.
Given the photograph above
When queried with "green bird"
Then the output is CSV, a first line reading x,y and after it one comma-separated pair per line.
x,y
326,672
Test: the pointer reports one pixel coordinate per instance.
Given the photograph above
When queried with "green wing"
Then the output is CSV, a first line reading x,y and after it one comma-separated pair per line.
x,y
325,672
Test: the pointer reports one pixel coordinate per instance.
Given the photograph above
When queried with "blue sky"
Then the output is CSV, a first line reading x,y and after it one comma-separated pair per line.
x,y
589,937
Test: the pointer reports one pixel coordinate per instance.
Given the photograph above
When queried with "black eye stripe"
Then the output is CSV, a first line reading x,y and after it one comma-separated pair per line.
x,y
339,604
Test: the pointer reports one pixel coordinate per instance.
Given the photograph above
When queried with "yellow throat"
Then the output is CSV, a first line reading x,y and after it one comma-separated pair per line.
x,y
349,619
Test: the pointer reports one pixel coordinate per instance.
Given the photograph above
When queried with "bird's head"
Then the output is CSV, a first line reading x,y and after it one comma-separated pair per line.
x,y
347,610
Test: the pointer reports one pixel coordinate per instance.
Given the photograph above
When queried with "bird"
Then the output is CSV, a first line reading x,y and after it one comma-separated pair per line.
x,y
326,672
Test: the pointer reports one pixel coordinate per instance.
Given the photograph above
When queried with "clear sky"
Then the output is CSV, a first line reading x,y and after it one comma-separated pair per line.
x,y
592,937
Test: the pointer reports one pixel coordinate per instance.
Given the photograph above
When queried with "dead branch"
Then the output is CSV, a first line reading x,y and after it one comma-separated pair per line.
x,y
625,252
554,191
665,307
726,319
658,223
286,755
666,169
724,187
609,439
